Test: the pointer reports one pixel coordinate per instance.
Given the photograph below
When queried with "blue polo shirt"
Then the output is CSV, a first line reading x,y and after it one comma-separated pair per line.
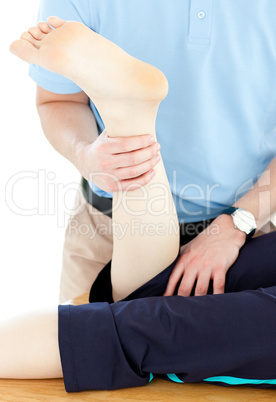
x,y
217,126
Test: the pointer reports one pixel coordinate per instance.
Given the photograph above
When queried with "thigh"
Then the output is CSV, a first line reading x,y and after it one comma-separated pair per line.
x,y
87,248
255,266
225,339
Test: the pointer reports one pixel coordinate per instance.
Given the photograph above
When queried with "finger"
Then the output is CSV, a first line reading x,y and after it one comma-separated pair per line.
x,y
136,171
219,283
136,157
174,278
202,285
132,184
187,283
120,145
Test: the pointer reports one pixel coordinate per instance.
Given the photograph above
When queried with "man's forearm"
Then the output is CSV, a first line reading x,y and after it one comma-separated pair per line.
x,y
261,199
68,125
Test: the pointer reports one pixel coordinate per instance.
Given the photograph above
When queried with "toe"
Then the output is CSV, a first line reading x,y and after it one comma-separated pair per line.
x,y
44,27
36,33
28,37
56,22
24,50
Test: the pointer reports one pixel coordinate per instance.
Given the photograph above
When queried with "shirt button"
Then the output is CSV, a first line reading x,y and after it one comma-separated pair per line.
x,y
201,15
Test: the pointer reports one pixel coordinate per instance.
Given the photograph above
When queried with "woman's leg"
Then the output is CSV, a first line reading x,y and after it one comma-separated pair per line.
x,y
128,96
29,346
127,92
223,339
200,326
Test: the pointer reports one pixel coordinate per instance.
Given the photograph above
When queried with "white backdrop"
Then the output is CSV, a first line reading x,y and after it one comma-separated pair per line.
x,y
32,217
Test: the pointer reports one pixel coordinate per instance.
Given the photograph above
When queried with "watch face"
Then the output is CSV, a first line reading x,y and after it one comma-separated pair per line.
x,y
244,220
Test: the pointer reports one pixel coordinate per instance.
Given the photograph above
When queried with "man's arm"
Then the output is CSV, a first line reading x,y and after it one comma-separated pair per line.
x,y
261,199
70,126
67,121
214,251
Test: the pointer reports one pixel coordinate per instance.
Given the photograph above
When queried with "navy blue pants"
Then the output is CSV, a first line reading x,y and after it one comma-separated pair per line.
x,y
227,339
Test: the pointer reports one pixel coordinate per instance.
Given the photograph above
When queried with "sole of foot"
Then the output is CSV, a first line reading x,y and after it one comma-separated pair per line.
x,y
100,67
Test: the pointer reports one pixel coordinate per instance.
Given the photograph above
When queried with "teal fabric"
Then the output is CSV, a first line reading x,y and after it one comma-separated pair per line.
x,y
151,377
238,381
174,378
226,380
217,126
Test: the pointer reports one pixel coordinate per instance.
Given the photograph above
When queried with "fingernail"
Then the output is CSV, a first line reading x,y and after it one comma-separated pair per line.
x,y
157,158
158,146
151,140
152,172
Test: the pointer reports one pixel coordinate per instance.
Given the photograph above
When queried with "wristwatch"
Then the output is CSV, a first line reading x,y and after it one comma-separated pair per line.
x,y
243,220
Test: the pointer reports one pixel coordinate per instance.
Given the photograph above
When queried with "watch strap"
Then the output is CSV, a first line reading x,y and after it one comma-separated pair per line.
x,y
229,211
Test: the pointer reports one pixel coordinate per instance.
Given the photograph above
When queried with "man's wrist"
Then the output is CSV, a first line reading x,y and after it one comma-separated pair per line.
x,y
227,222
78,155
243,220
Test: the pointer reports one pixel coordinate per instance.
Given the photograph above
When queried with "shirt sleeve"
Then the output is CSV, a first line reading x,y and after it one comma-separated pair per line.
x,y
73,10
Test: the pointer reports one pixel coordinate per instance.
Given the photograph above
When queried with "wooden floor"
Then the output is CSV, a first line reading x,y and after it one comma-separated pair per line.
x,y
157,390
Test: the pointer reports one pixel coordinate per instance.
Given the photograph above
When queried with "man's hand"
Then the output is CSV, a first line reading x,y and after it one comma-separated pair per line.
x,y
208,256
116,163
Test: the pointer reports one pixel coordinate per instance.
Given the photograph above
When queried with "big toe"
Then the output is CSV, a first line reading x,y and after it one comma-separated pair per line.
x,y
56,22
25,50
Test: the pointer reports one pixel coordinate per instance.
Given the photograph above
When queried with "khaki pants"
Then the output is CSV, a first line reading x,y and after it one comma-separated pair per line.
x,y
87,248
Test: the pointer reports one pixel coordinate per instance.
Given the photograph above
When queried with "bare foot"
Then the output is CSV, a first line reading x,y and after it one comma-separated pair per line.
x,y
101,68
